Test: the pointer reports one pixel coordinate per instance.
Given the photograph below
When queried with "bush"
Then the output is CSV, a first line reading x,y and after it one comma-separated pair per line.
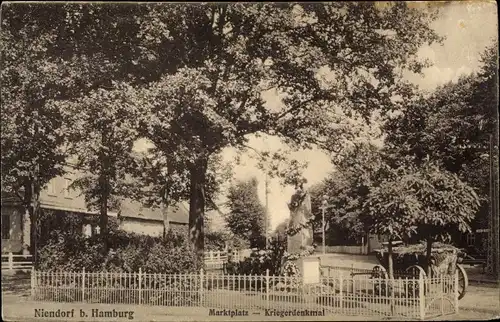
x,y
215,240
261,260
236,242
127,253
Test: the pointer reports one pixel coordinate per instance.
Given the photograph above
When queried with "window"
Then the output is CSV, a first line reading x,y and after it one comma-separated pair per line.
x,y
5,226
67,191
51,188
87,230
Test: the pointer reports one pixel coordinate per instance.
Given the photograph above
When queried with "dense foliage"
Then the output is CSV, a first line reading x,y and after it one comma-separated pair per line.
x,y
216,240
260,261
246,218
453,126
69,250
205,95
430,175
388,194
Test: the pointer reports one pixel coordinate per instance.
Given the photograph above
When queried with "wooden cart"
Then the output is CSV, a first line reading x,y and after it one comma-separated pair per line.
x,y
411,261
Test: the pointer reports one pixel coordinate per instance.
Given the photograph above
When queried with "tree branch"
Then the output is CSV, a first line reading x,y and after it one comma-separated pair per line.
x,y
21,198
293,108
215,205
249,147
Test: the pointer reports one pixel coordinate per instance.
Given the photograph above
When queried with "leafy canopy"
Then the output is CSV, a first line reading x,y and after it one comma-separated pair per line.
x,y
246,218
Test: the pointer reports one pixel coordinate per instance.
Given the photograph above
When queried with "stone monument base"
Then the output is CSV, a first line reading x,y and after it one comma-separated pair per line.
x,y
309,268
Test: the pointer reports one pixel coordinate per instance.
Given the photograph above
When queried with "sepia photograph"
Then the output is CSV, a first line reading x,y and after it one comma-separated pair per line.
x,y
254,161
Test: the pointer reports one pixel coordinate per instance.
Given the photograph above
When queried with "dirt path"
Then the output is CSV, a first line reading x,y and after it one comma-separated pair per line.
x,y
17,308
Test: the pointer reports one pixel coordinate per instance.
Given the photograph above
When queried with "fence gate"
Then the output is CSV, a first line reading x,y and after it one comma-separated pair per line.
x,y
441,296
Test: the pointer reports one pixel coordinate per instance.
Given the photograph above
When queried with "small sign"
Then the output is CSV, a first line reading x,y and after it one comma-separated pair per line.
x,y
482,231
310,270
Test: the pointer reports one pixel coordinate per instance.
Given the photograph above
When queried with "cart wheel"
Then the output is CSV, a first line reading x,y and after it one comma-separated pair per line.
x,y
463,281
415,272
380,287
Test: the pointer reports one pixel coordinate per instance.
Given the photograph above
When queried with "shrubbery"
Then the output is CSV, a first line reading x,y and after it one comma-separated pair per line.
x,y
215,240
70,251
261,260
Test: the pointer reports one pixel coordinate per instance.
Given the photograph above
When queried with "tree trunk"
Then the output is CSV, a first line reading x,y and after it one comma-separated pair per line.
x,y
391,266
28,204
391,275
166,223
32,204
35,224
103,222
429,255
103,208
198,173
104,189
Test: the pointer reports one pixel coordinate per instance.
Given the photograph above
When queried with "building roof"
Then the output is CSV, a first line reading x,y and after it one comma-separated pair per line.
x,y
63,198
178,213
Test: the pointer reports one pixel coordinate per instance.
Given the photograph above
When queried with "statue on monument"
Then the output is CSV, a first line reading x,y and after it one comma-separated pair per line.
x,y
300,236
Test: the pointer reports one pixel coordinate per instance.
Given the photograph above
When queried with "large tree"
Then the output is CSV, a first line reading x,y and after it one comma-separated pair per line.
x,y
454,126
357,169
101,129
31,136
246,218
205,94
380,190
162,180
424,201
55,52
224,56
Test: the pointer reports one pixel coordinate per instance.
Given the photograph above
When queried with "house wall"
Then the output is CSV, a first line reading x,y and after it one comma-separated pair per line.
x,y
143,227
15,242
149,227
57,195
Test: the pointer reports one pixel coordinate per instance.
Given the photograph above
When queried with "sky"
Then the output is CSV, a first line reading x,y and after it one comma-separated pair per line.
x,y
469,27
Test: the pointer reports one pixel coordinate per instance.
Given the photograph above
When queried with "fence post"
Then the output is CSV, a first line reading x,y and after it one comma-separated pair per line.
x,y
201,287
421,298
442,292
351,281
341,293
11,261
140,285
83,285
267,288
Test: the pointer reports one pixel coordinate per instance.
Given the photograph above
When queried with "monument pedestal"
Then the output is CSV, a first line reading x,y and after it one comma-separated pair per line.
x,y
309,267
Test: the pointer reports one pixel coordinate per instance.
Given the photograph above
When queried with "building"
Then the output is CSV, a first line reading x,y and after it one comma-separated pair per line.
x,y
134,217
58,199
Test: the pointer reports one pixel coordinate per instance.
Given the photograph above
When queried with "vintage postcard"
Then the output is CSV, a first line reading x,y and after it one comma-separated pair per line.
x,y
249,161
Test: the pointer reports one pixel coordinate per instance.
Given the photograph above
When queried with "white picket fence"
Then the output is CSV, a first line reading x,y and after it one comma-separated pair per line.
x,y
217,259
213,259
11,262
277,295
